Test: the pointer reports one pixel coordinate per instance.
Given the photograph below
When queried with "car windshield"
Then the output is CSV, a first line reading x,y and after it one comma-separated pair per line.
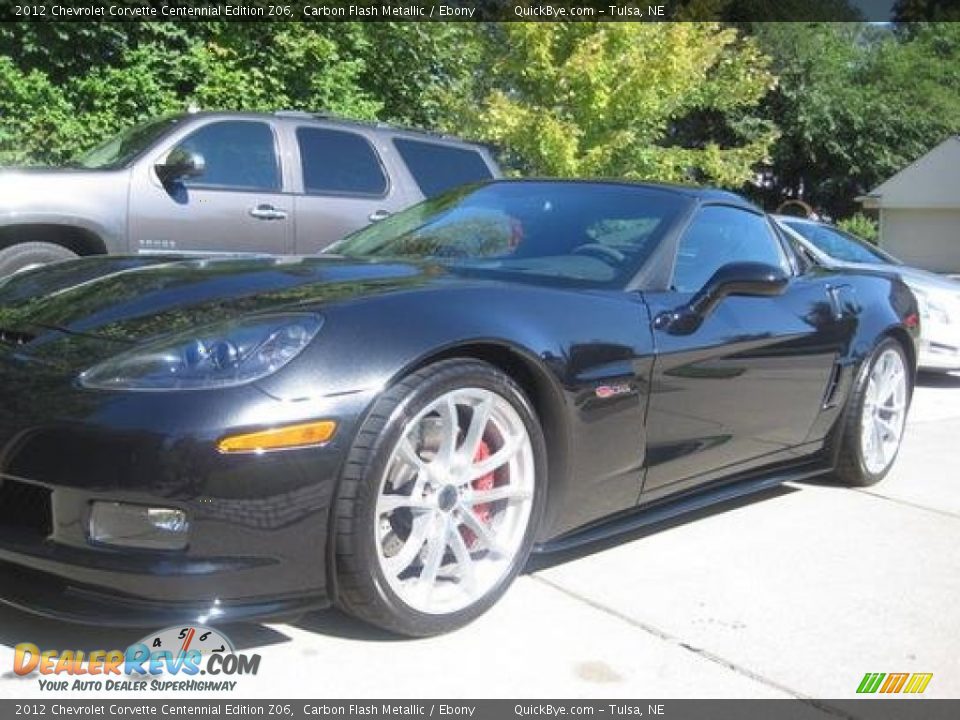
x,y
840,245
582,233
121,149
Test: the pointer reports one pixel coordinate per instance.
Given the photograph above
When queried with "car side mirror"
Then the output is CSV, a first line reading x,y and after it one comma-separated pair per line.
x,y
738,278
179,165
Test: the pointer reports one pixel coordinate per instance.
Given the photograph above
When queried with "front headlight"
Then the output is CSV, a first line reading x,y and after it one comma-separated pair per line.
x,y
938,313
932,308
220,356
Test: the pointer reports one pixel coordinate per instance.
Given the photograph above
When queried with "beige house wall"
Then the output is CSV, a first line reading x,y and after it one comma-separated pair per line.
x,y
926,238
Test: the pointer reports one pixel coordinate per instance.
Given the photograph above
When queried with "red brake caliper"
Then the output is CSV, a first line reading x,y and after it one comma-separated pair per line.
x,y
484,511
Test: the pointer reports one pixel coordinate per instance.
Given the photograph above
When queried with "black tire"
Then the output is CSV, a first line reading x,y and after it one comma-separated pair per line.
x,y
851,469
19,257
361,588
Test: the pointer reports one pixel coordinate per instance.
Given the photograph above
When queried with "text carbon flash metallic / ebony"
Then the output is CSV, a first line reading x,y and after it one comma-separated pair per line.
x,y
394,426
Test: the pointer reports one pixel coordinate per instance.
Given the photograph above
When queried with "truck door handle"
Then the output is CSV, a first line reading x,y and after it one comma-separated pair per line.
x,y
379,215
267,212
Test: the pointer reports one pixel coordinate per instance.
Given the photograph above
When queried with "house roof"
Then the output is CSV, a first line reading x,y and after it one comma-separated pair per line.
x,y
931,181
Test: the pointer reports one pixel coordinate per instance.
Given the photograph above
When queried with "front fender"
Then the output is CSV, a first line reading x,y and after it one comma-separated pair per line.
x,y
560,345
94,202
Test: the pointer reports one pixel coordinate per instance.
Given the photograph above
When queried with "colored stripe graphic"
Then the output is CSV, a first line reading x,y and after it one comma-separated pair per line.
x,y
894,683
870,682
918,683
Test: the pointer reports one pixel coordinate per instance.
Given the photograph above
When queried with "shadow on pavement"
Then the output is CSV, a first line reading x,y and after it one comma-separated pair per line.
x,y
544,561
336,624
17,626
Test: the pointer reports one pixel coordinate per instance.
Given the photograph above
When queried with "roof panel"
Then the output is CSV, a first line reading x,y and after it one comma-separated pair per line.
x,y
931,181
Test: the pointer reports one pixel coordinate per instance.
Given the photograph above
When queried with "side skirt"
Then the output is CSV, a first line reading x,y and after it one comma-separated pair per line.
x,y
671,508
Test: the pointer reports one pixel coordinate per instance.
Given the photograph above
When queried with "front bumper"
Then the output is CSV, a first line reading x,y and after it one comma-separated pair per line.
x,y
54,596
939,347
257,542
939,353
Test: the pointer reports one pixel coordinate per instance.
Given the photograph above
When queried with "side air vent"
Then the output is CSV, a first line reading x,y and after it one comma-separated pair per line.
x,y
830,396
15,337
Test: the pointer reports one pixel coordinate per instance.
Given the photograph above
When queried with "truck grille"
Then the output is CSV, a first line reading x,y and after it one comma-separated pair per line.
x,y
25,508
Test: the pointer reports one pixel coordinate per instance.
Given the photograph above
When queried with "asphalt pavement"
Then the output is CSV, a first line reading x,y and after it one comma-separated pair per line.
x,y
796,593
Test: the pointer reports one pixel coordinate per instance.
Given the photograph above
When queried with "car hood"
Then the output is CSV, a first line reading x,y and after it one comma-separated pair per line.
x,y
915,276
923,279
57,189
133,300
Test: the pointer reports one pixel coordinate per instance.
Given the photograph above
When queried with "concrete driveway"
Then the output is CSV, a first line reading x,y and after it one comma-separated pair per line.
x,y
797,593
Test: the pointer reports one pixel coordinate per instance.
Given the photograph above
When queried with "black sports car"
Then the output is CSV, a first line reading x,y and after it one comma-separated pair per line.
x,y
394,425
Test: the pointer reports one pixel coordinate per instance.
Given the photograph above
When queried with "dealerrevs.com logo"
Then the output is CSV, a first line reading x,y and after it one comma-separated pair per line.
x,y
175,659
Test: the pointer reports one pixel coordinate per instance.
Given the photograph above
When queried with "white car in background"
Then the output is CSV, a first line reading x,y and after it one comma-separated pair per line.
x,y
937,296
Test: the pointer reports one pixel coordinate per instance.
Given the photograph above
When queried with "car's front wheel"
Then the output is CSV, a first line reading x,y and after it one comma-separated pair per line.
x,y
875,416
440,499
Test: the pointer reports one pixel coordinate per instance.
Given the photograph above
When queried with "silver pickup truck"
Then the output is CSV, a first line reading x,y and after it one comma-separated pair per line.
x,y
227,183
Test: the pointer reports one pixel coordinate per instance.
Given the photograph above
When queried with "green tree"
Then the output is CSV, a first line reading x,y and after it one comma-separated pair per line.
x,y
855,104
909,11
589,99
749,11
50,109
421,72
269,66
34,115
66,86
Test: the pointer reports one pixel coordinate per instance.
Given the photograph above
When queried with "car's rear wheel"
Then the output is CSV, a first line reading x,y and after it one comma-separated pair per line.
x,y
440,499
876,416
25,256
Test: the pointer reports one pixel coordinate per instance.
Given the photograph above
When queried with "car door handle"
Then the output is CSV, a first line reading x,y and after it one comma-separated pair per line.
x,y
842,301
267,212
379,215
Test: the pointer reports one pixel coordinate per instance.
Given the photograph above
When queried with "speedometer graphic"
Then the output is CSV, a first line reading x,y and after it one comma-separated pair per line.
x,y
181,639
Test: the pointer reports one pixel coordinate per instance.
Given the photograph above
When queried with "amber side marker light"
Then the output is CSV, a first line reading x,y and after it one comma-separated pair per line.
x,y
291,436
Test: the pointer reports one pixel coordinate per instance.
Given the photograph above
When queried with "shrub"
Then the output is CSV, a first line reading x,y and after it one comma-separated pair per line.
x,y
861,226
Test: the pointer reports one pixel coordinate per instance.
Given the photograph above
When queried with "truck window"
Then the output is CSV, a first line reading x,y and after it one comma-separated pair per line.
x,y
438,168
239,155
336,162
125,147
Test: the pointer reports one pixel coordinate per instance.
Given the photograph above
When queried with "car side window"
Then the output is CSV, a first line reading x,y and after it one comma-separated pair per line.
x,y
238,155
438,168
719,235
337,162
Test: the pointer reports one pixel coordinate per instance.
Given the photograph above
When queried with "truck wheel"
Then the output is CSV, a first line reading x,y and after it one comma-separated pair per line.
x,y
25,256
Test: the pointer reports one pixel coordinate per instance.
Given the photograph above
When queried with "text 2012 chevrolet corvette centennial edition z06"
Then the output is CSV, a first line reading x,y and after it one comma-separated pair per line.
x,y
394,425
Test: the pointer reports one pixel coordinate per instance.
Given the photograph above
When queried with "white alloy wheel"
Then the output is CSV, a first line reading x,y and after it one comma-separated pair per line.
x,y
455,501
884,411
